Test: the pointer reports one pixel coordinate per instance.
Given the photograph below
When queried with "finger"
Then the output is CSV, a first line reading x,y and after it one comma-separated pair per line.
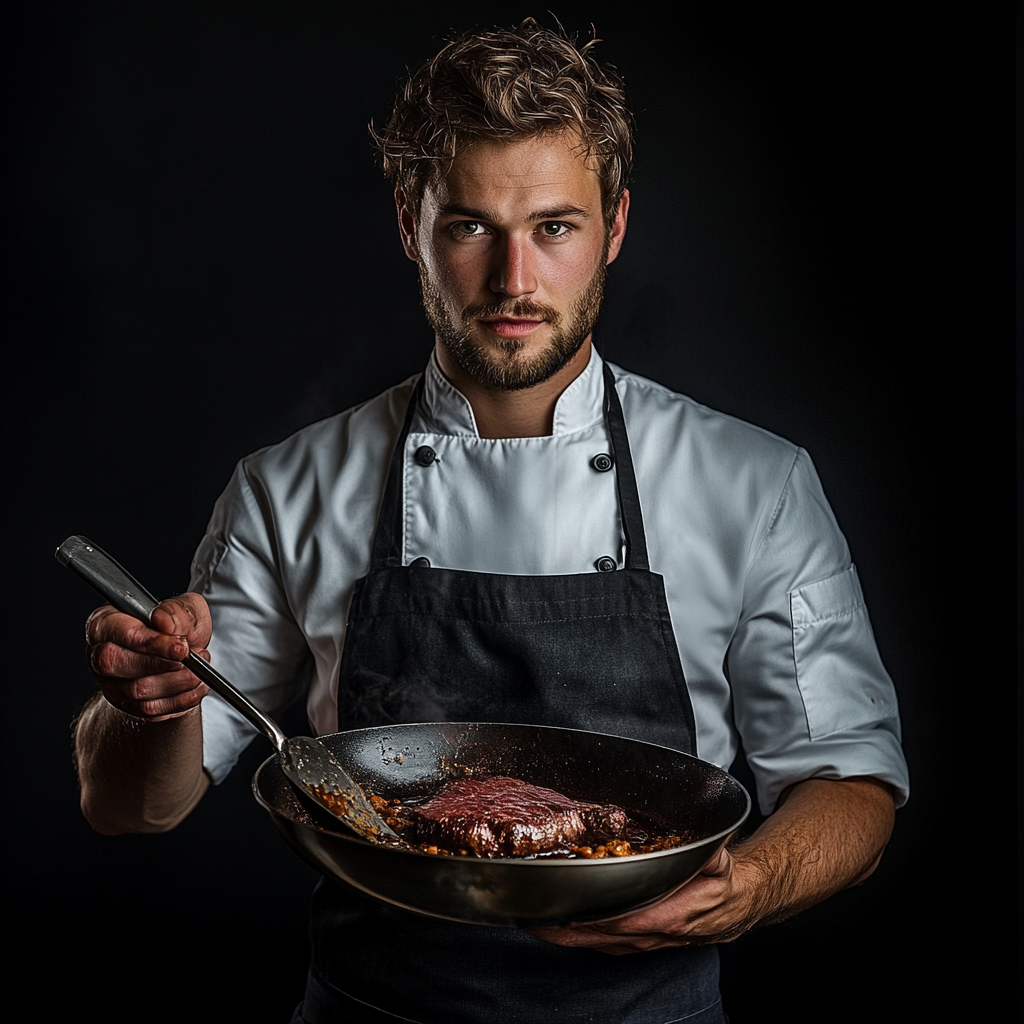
x,y
580,936
187,616
640,945
152,699
108,626
168,707
719,865
110,661
659,918
148,688
675,915
585,937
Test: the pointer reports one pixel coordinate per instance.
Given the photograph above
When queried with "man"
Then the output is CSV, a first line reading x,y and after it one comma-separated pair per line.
x,y
722,603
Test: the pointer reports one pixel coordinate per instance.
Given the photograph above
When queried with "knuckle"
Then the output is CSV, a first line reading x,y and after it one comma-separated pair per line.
x,y
191,603
173,608
185,616
104,659
135,635
199,611
139,689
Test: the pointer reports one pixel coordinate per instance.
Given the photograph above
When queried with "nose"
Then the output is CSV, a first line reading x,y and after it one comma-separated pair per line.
x,y
513,273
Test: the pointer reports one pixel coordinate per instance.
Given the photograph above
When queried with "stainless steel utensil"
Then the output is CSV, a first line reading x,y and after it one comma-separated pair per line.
x,y
305,761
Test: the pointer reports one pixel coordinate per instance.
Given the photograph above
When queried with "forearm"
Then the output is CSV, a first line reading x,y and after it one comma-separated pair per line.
x,y
137,776
826,836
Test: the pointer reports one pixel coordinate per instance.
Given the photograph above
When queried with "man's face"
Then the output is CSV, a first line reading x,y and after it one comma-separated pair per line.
x,y
512,247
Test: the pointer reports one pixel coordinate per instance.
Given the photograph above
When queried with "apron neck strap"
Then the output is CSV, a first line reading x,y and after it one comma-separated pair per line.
x,y
625,478
387,552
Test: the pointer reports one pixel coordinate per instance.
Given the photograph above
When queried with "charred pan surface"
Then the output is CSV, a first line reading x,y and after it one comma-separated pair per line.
x,y
506,817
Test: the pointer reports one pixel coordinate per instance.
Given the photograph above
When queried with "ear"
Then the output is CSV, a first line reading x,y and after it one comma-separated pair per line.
x,y
407,226
618,231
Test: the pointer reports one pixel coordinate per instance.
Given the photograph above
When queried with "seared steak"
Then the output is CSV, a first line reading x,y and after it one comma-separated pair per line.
x,y
505,817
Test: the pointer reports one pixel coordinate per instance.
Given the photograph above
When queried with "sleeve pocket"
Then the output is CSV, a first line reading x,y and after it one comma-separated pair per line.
x,y
842,681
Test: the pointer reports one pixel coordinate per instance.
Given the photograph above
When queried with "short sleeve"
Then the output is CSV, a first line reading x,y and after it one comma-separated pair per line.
x,y
256,643
811,697
838,669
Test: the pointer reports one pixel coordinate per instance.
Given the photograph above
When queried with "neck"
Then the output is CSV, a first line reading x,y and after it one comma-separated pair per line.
x,y
526,413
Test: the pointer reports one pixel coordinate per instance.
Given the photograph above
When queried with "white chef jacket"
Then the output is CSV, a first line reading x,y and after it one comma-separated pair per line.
x,y
768,614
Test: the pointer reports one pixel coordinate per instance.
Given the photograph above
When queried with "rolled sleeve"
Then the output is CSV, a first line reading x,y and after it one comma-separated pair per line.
x,y
812,698
256,643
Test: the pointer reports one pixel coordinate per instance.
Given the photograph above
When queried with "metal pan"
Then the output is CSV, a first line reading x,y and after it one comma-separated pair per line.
x,y
417,760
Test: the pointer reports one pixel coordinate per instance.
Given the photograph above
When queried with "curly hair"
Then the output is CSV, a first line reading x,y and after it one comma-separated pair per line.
x,y
507,85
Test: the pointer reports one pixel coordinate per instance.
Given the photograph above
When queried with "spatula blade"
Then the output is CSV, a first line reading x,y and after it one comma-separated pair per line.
x,y
312,767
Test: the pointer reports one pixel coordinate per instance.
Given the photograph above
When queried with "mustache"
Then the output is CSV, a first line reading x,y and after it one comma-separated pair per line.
x,y
520,308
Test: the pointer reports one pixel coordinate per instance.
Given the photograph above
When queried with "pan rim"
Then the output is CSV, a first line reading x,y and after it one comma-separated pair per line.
x,y
524,862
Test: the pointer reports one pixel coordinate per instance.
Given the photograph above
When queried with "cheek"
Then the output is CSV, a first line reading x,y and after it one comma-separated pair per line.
x,y
455,272
443,278
570,273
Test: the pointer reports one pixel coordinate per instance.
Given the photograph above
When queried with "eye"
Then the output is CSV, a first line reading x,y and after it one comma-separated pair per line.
x,y
554,229
467,228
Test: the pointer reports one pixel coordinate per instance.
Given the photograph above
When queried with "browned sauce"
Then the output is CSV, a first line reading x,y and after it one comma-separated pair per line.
x,y
334,801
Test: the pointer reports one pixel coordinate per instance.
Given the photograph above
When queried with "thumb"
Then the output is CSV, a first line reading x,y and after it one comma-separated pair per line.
x,y
719,865
187,616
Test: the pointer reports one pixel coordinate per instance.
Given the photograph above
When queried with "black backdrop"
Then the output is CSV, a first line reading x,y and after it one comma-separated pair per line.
x,y
200,257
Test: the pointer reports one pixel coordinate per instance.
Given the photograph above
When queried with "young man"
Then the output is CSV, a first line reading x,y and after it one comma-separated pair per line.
x,y
729,607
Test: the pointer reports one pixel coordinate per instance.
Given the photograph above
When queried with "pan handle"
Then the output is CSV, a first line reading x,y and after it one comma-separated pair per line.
x,y
126,594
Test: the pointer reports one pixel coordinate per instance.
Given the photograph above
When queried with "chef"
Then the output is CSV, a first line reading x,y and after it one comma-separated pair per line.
x,y
619,559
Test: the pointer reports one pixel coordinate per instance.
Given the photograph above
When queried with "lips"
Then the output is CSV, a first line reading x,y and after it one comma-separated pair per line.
x,y
506,327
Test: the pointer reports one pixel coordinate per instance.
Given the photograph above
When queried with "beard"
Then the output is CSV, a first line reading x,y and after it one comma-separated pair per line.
x,y
504,365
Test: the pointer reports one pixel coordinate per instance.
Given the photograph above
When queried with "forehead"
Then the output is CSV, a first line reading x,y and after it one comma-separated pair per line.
x,y
545,172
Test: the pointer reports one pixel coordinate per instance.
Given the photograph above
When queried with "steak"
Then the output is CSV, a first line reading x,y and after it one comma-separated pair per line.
x,y
506,817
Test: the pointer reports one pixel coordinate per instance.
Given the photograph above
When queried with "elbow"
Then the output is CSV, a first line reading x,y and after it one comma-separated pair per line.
x,y
868,871
883,820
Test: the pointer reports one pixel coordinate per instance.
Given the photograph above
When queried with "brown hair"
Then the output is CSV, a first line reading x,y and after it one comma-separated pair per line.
x,y
507,85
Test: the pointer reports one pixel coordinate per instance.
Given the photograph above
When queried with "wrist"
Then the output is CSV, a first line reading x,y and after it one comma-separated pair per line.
x,y
759,880
160,719
118,708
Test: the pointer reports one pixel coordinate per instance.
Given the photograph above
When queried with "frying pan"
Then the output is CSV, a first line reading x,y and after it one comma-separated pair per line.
x,y
417,760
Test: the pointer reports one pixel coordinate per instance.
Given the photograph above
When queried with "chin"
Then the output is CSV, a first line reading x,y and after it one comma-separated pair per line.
x,y
509,364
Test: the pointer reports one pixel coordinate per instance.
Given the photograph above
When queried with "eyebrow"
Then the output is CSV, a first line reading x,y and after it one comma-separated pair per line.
x,y
469,212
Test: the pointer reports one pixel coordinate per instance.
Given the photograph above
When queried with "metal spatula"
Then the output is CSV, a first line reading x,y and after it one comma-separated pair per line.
x,y
306,761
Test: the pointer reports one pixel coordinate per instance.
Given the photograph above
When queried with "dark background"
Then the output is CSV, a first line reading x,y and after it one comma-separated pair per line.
x,y
199,257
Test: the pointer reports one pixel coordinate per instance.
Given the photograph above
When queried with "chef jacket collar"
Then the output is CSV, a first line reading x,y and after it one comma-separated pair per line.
x,y
447,410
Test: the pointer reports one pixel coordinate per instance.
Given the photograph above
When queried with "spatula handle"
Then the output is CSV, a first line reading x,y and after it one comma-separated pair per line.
x,y
104,575
126,594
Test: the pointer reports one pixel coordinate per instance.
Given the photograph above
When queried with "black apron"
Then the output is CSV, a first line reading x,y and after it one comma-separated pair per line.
x,y
586,651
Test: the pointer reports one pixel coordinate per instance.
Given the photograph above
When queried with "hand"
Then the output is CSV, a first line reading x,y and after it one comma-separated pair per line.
x,y
138,669
716,906
826,835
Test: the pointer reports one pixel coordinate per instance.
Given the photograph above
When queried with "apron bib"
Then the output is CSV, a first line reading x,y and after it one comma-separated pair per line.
x,y
589,651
